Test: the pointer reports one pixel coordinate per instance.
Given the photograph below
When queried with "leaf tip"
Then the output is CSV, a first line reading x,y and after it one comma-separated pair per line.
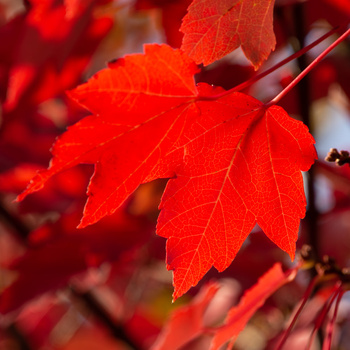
x,y
175,295
35,184
291,253
84,222
178,292
20,197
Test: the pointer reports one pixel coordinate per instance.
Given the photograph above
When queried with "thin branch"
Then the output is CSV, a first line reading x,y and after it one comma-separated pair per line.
x,y
98,311
252,80
17,335
15,223
304,99
308,69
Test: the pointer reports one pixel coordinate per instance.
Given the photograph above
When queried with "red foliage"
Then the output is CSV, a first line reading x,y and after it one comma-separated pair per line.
x,y
231,162
201,143
61,248
215,28
63,39
253,298
186,323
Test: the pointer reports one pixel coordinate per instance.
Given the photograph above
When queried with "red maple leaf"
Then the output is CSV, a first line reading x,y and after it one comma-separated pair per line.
x,y
215,28
251,301
233,161
186,323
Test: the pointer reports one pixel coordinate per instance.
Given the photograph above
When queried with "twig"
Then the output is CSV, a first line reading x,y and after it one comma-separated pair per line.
x,y
18,225
116,330
304,99
16,334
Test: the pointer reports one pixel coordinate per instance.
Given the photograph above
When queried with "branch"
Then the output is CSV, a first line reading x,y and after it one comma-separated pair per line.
x,y
116,330
17,335
15,223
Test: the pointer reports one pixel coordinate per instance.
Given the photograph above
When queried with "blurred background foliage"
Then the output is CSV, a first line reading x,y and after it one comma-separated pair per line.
x,y
106,286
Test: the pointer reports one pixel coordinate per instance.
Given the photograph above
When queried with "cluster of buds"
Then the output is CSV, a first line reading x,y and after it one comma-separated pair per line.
x,y
340,158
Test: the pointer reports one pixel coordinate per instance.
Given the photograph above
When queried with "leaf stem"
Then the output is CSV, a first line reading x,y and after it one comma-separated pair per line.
x,y
319,320
252,80
306,296
307,69
330,326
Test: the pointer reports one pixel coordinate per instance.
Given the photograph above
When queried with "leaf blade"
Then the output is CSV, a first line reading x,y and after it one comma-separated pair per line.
x,y
252,300
233,162
213,29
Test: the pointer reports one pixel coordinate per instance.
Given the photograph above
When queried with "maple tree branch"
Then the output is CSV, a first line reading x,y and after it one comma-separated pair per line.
x,y
27,4
252,80
117,330
15,223
304,99
16,334
307,69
